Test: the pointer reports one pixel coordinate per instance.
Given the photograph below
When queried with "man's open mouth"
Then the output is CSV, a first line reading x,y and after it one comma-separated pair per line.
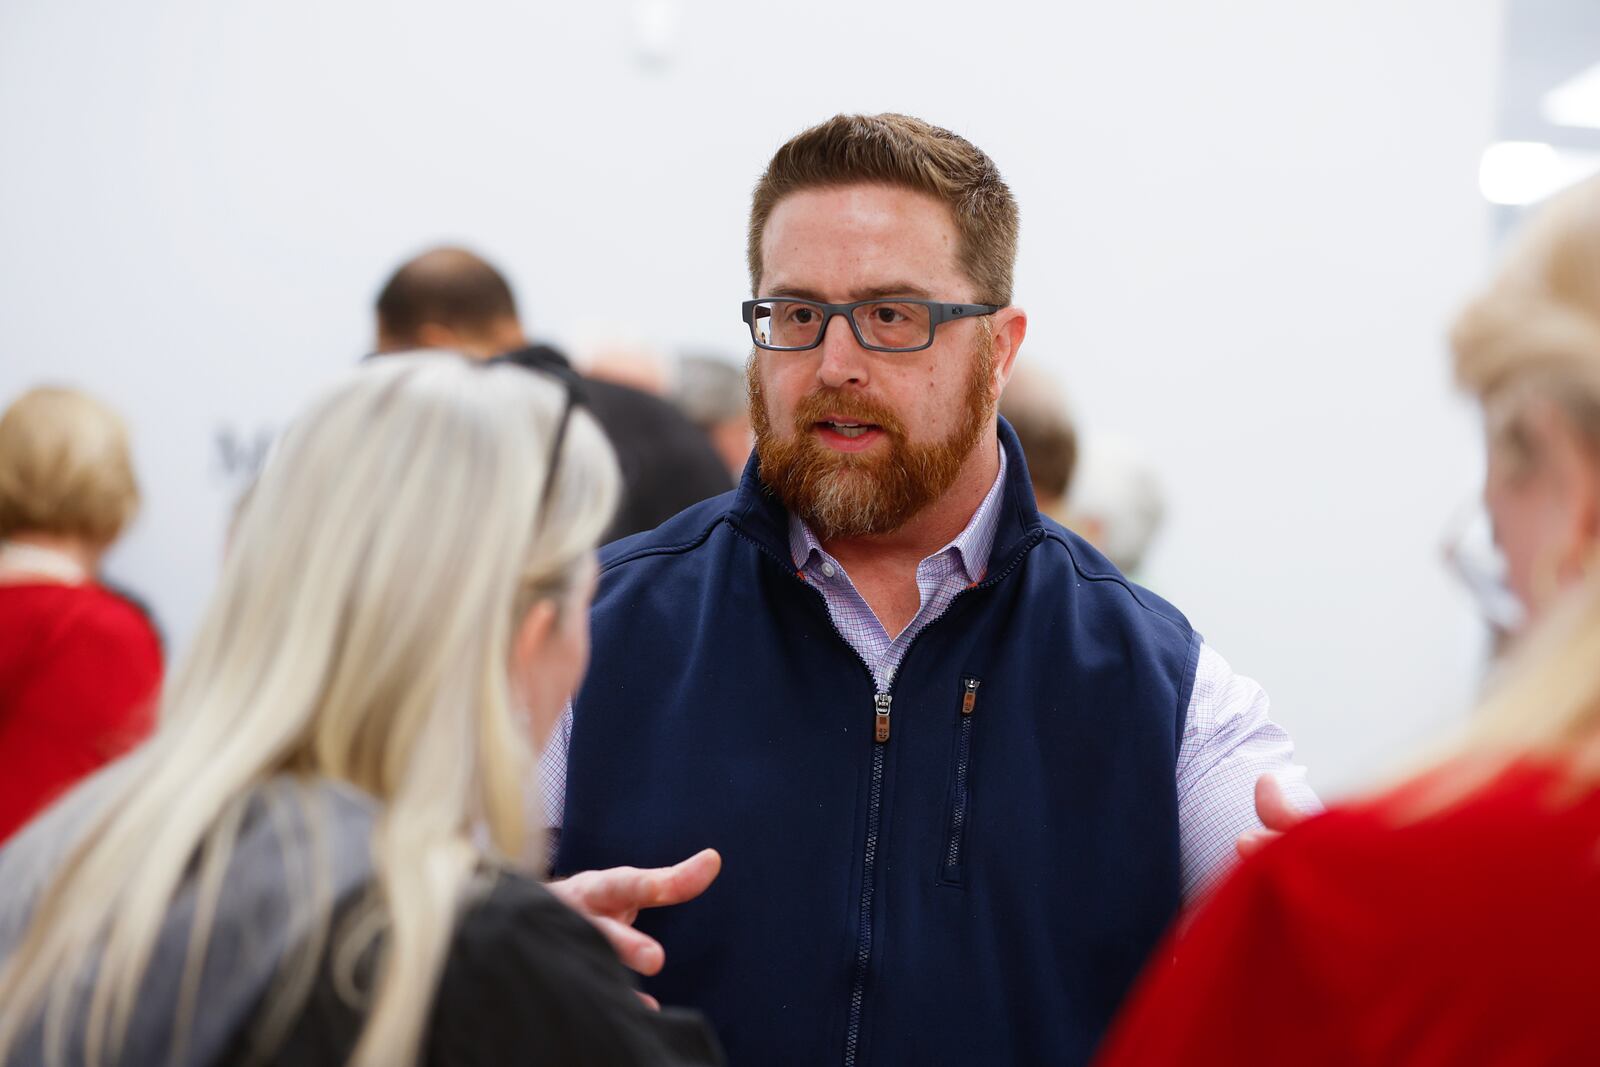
x,y
848,429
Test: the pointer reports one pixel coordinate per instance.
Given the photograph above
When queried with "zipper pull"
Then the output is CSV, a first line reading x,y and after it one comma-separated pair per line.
x,y
880,704
969,699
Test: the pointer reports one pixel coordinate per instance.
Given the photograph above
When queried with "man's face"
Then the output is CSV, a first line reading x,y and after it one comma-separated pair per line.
x,y
924,412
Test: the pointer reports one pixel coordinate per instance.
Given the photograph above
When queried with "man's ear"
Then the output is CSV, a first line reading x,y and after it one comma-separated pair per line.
x,y
438,335
505,335
1008,326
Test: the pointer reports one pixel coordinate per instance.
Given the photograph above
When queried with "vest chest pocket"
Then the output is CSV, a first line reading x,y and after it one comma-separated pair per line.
x,y
952,864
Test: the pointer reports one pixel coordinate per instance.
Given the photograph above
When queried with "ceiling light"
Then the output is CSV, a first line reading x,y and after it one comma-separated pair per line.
x,y
1525,172
1575,102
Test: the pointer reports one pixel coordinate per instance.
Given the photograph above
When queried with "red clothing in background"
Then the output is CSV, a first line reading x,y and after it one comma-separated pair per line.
x,y
1469,937
79,671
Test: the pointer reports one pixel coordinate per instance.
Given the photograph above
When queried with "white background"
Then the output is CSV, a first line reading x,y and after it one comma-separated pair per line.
x,y
1245,227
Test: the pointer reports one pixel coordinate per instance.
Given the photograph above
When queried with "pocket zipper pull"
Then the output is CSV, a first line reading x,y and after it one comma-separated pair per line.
x,y
880,705
969,699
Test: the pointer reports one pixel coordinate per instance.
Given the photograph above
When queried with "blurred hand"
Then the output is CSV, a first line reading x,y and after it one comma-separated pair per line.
x,y
1274,811
612,899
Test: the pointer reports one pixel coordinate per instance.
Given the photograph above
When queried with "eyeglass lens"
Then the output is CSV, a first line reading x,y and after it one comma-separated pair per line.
x,y
883,324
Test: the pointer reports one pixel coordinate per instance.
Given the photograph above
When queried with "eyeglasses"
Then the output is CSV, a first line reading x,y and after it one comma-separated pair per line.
x,y
1473,557
573,385
571,382
903,325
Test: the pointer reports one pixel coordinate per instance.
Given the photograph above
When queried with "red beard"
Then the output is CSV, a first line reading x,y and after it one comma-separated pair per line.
x,y
846,494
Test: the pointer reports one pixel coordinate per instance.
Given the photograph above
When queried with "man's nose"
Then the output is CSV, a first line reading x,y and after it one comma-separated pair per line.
x,y
844,361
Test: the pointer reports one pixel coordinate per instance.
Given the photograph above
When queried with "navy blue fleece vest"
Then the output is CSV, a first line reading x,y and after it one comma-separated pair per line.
x,y
980,888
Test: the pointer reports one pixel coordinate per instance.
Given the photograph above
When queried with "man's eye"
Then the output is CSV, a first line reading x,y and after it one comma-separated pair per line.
x,y
888,315
802,316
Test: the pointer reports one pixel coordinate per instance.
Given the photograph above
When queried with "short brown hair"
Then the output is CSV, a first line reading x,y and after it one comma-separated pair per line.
x,y
904,151
1036,409
65,467
1049,444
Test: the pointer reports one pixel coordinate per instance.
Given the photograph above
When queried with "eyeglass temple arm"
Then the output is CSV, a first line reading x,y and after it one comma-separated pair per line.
x,y
948,312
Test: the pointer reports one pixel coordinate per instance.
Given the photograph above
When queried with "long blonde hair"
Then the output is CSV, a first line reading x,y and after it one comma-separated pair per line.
x,y
360,632
1535,336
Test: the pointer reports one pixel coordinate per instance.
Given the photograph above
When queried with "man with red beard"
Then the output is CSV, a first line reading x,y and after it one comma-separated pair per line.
x,y
961,772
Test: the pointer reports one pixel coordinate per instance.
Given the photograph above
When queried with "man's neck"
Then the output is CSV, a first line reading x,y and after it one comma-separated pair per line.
x,y
899,551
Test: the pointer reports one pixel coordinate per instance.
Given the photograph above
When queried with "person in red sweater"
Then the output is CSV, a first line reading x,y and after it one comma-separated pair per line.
x,y
1452,920
79,664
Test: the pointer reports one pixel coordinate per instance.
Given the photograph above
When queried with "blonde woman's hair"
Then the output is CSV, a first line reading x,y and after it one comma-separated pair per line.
x,y
1534,336
65,467
360,633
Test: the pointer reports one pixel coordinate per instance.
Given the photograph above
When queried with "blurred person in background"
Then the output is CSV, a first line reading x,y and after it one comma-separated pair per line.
x,y
1098,486
635,364
450,298
1116,501
307,863
80,665
1453,919
1037,411
962,770
711,392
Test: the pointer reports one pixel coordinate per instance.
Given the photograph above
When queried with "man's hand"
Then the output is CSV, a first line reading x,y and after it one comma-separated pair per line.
x,y
1274,811
611,899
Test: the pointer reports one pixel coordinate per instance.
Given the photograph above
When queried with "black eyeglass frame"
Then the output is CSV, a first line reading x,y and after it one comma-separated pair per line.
x,y
939,313
576,396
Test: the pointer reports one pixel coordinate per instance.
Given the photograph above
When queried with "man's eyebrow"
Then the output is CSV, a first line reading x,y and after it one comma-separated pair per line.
x,y
875,292
799,292
871,292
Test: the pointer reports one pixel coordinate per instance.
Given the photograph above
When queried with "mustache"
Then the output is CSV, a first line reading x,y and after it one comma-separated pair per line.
x,y
817,406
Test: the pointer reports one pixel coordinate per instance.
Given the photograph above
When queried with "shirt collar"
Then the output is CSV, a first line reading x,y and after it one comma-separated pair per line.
x,y
971,546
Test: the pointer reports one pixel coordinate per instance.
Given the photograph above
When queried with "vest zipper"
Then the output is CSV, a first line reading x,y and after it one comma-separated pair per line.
x,y
869,863
858,987
958,807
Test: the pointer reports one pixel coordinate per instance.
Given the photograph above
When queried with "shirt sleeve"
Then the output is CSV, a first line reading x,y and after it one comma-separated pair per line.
x,y
101,682
1229,741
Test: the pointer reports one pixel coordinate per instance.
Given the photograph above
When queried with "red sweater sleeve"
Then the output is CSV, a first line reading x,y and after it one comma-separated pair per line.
x,y
1255,979
1389,934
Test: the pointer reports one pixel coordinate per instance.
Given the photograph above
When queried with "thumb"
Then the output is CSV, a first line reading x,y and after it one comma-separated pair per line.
x,y
1273,808
686,879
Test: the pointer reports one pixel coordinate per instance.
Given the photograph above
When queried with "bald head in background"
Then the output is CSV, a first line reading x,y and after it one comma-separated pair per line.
x,y
449,298
454,299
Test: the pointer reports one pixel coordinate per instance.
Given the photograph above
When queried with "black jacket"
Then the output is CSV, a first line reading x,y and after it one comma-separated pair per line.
x,y
527,982
667,462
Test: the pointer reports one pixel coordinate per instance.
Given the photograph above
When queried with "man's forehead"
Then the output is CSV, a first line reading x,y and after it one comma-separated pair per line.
x,y
871,238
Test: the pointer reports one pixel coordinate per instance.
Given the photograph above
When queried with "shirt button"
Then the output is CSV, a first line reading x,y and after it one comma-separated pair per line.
x,y
827,570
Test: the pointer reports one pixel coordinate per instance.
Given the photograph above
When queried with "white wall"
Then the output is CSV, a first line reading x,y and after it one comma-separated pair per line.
x,y
1245,226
